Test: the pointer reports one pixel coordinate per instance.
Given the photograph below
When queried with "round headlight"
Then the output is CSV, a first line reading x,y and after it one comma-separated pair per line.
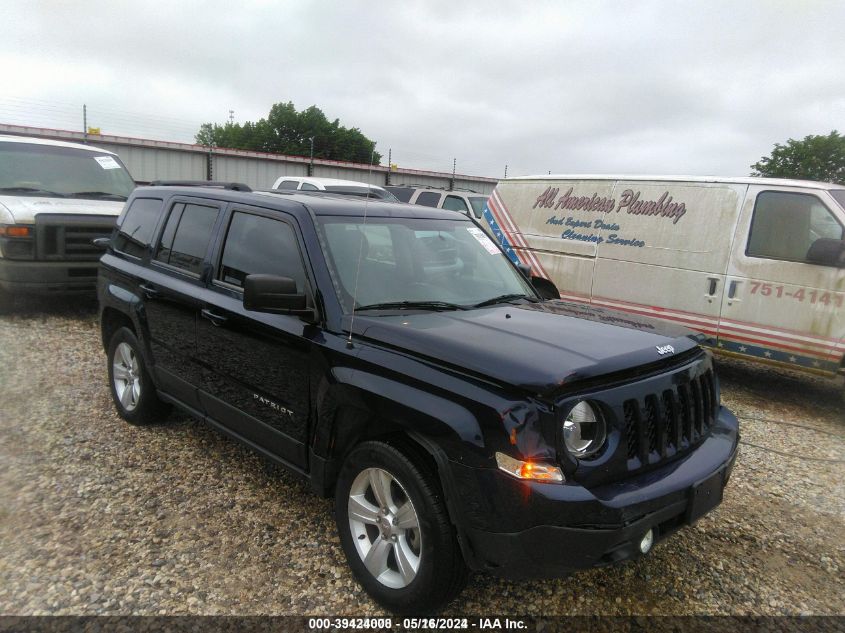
x,y
583,430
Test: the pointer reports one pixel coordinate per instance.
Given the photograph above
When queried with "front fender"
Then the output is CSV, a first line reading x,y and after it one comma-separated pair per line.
x,y
412,408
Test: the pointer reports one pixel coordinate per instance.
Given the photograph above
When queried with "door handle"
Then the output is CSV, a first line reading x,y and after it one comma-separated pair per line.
x,y
712,285
732,289
149,291
216,319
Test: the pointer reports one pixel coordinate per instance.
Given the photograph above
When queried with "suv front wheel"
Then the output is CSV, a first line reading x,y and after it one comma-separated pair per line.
x,y
395,530
132,389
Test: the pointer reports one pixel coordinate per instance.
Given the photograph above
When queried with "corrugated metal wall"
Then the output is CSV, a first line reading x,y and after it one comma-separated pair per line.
x,y
149,160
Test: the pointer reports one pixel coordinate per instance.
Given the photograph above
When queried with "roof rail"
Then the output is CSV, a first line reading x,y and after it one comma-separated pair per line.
x,y
232,186
412,186
465,190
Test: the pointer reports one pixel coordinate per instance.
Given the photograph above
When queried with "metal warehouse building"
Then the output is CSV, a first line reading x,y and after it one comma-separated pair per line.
x,y
149,160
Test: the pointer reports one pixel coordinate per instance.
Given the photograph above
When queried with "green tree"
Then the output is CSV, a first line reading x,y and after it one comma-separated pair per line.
x,y
286,131
819,158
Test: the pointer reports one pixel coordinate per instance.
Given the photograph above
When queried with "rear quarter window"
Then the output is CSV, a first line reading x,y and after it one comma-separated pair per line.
x,y
136,230
428,199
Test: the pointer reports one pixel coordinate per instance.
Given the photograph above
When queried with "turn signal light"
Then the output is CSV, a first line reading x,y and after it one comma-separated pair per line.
x,y
534,471
15,230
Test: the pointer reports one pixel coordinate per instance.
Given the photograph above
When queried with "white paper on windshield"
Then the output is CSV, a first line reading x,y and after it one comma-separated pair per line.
x,y
107,162
485,241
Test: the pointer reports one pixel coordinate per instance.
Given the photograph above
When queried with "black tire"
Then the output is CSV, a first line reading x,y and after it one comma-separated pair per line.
x,y
441,573
141,405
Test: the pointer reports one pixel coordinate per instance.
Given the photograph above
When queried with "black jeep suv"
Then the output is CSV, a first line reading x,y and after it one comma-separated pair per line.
x,y
395,358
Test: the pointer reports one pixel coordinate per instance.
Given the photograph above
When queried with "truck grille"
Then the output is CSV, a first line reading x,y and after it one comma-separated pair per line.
x,y
69,237
661,425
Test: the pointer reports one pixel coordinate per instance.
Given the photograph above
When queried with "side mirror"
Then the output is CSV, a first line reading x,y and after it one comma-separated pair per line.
x,y
545,288
826,251
101,242
274,294
525,269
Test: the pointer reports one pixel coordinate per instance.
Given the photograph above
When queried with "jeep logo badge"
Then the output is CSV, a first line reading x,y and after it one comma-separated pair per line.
x,y
665,349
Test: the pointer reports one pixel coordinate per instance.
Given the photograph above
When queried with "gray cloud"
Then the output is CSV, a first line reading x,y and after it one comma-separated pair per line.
x,y
646,87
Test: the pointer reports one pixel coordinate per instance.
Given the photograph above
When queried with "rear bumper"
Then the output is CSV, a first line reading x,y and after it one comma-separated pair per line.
x,y
40,277
563,528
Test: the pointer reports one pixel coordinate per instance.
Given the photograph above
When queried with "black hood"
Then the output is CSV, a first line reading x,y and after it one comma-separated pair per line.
x,y
537,347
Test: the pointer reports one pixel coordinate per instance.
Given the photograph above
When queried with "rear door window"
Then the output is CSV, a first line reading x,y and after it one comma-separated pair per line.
x,y
186,236
288,184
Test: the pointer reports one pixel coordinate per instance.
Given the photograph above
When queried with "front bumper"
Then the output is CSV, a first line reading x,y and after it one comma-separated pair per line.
x,y
53,277
535,530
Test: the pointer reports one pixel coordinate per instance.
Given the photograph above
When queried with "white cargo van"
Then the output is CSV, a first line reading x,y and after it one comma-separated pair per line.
x,y
754,264
55,198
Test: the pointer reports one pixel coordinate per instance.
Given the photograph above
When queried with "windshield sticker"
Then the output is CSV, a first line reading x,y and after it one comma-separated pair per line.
x,y
107,162
485,241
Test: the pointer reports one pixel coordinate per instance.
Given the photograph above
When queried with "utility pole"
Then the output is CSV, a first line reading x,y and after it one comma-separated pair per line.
x,y
452,181
311,163
85,122
231,117
209,163
389,166
506,171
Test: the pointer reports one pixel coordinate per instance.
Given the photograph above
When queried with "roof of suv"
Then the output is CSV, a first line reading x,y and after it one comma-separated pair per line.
x,y
321,203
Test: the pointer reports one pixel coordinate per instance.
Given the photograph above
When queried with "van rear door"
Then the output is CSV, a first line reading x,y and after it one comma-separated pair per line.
x,y
777,305
548,224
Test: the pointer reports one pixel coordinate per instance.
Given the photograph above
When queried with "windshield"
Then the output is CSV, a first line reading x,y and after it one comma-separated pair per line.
x,y
477,203
29,169
416,260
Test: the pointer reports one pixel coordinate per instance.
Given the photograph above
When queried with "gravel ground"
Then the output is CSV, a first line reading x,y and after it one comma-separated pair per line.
x,y
99,517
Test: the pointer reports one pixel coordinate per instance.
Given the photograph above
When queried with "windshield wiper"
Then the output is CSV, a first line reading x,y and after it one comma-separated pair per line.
x,y
410,305
97,194
504,299
41,192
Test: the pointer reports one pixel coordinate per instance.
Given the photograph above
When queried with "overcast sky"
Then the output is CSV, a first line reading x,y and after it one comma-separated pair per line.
x,y
572,87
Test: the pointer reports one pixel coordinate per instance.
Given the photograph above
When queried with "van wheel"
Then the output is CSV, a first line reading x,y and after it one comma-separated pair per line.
x,y
132,389
395,530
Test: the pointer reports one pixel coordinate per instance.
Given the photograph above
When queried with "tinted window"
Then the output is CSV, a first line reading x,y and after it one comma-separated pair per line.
x,y
166,242
839,196
428,199
288,184
454,203
259,245
786,224
402,194
136,231
307,186
186,236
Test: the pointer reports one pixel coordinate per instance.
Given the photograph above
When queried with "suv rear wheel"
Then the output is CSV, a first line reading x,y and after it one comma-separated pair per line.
x,y
395,530
132,389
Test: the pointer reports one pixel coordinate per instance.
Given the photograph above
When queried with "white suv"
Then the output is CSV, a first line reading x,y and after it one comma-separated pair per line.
x,y
334,185
457,200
